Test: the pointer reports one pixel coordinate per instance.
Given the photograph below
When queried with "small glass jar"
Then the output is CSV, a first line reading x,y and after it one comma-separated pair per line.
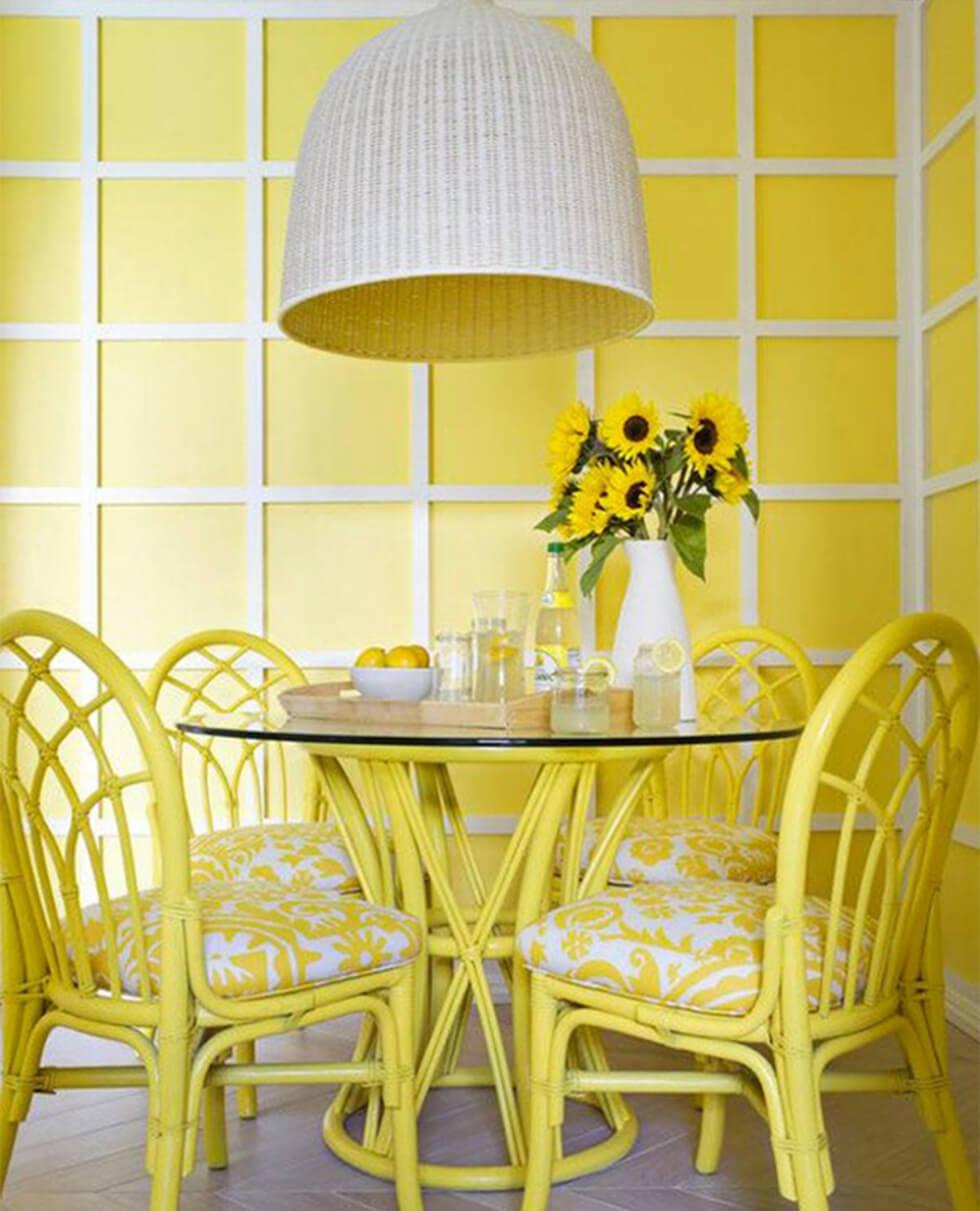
x,y
656,693
453,667
580,701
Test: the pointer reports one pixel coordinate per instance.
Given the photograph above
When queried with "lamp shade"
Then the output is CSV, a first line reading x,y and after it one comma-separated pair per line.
x,y
466,188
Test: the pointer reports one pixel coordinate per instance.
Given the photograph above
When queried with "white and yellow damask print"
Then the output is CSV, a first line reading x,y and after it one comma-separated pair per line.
x,y
694,945
297,854
674,850
259,938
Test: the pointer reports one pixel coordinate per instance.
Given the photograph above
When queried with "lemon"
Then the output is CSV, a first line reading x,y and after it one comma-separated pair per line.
x,y
421,655
668,655
596,664
502,651
371,658
402,657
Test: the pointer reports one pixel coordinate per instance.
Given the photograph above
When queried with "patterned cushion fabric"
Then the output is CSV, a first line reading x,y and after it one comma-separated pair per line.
x,y
674,850
694,945
297,854
260,938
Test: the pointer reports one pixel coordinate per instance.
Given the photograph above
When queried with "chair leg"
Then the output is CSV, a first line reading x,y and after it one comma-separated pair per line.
x,y
930,1070
804,1143
215,1132
8,1134
408,1193
711,1133
173,1058
541,1135
246,1096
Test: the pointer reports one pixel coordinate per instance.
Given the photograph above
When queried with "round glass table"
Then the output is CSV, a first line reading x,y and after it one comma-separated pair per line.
x,y
407,835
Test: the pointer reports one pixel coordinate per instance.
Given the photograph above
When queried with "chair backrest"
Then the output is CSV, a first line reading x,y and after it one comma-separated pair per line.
x,y
229,783
745,673
885,757
88,780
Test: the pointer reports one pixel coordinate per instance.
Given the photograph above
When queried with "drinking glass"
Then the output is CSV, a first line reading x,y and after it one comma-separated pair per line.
x,y
453,666
499,623
656,692
580,701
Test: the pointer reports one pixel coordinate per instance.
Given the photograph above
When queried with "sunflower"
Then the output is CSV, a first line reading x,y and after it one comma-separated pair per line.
x,y
565,445
589,514
731,485
717,427
629,426
630,492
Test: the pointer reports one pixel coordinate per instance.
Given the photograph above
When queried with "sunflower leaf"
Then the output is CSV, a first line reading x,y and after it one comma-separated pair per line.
x,y
552,521
751,502
600,553
690,538
695,506
740,462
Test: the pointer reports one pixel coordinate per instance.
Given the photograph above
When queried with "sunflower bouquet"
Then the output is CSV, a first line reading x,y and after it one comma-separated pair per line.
x,y
624,476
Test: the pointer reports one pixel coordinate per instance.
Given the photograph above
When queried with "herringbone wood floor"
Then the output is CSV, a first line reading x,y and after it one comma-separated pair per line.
x,y
83,1151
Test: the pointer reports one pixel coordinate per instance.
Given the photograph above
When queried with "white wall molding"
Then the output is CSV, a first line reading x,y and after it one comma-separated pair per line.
x,y
962,1004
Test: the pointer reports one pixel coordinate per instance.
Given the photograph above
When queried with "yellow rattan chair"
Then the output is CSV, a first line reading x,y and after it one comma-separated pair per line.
x,y
711,811
253,810
771,983
180,972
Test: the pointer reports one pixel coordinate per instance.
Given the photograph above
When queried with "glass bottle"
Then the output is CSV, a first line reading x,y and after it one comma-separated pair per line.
x,y
557,636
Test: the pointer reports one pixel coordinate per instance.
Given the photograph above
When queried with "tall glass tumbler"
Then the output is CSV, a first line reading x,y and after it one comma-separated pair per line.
x,y
499,624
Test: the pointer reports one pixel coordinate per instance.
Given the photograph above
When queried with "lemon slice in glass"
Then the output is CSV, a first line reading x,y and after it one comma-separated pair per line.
x,y
596,664
668,655
502,651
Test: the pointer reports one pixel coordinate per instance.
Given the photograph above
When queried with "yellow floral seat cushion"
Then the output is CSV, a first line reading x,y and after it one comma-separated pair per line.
x,y
673,850
258,938
695,945
298,854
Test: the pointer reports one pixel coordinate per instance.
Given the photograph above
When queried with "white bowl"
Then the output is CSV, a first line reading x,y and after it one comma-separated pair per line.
x,y
395,685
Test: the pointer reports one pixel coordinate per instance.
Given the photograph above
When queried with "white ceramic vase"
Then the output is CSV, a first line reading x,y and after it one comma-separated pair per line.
x,y
652,610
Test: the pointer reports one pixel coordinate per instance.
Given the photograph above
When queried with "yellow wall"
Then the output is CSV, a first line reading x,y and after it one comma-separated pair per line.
x,y
219,450
950,399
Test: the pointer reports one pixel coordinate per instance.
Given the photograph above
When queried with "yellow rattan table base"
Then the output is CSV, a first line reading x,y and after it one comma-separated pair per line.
x,y
411,799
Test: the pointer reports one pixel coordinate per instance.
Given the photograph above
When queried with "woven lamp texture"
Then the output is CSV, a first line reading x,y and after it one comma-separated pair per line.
x,y
467,188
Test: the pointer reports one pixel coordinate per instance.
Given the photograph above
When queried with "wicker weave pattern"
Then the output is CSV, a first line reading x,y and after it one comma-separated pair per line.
x,y
466,188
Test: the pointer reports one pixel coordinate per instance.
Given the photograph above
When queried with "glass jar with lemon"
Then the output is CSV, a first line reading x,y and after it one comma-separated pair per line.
x,y
657,683
499,623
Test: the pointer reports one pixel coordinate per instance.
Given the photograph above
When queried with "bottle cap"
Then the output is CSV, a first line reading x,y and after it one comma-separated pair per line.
x,y
555,548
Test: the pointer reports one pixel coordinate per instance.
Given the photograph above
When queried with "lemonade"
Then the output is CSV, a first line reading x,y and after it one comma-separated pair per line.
x,y
657,684
499,665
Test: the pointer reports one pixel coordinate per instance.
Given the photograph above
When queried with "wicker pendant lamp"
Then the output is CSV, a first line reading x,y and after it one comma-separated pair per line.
x,y
466,189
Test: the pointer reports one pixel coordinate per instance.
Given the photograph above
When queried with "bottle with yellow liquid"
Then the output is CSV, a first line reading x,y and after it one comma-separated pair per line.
x,y
557,637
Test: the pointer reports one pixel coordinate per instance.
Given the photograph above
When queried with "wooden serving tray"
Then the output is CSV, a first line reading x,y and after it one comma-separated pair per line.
x,y
339,700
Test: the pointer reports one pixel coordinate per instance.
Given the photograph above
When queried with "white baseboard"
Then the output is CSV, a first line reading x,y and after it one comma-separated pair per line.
x,y
963,1004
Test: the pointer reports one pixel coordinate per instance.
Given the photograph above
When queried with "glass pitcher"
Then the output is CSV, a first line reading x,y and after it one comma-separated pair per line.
x,y
499,623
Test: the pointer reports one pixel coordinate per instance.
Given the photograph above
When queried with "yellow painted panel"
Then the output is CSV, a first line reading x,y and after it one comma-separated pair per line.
x,y
337,420
492,790
299,57
482,546
40,88
168,570
948,66
173,90
676,78
826,247
173,413
672,371
173,251
491,421
954,553
39,251
825,86
951,390
39,413
827,411
710,605
277,193
339,576
951,219
961,939
692,224
39,557
829,571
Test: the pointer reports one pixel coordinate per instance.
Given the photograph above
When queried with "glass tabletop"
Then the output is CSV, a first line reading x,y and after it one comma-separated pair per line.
x,y
333,731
